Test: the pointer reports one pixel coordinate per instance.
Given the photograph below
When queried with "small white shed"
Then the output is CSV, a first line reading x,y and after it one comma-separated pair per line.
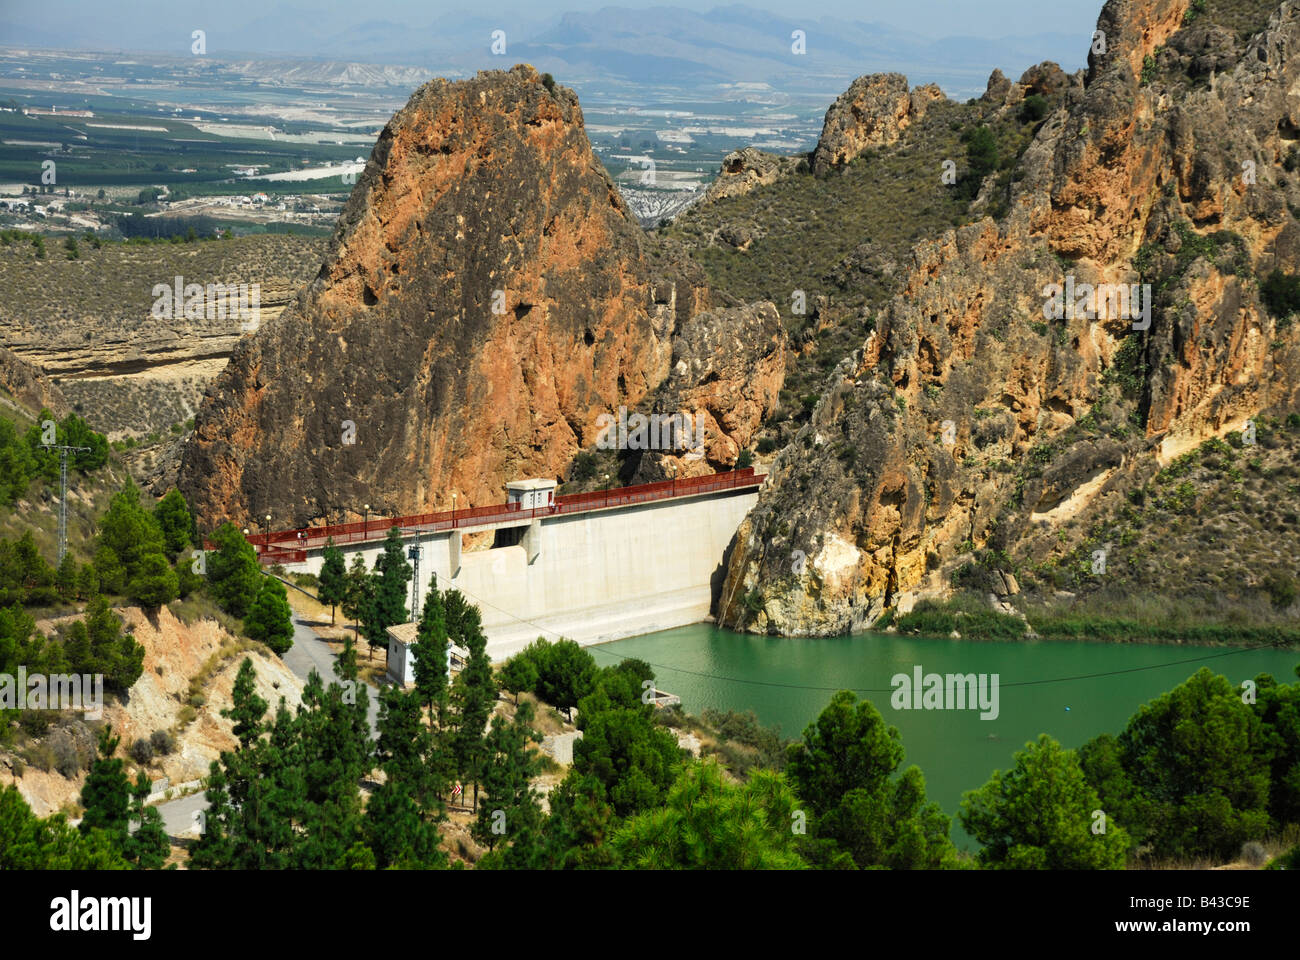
x,y
401,656
530,494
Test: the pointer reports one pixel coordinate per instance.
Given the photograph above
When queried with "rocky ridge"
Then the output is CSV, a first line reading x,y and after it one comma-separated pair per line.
x,y
969,420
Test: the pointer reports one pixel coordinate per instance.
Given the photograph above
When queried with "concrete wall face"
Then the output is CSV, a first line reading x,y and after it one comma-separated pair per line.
x,y
597,576
401,664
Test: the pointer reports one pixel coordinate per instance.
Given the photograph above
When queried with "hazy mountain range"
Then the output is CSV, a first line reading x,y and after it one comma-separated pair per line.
x,y
669,46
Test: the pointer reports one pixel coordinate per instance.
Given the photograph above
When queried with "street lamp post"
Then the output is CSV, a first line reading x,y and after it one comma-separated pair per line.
x,y
365,530
607,489
453,511
672,476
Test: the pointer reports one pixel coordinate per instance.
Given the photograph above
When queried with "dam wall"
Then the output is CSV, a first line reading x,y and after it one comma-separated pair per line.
x,y
590,577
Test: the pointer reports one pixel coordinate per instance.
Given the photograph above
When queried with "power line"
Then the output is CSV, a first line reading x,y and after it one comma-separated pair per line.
x,y
799,686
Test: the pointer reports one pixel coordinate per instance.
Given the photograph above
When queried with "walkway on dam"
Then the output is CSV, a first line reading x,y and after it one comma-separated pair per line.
x,y
292,546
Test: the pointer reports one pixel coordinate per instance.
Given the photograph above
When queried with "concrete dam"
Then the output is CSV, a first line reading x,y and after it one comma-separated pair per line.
x,y
589,567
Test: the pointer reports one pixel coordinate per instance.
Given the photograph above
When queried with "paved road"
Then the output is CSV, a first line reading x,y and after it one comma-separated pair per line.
x,y
308,653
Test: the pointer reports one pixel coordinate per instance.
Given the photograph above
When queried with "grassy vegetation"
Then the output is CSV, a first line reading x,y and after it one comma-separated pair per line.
x,y
113,285
966,614
1245,18
231,648
1219,527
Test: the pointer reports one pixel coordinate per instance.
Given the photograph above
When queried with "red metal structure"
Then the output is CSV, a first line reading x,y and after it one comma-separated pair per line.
x,y
291,546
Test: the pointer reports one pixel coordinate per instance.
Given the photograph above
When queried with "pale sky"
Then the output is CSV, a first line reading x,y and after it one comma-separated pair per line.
x,y
118,21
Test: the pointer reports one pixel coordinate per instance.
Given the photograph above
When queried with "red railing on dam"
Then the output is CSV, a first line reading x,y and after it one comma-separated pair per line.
x,y
291,546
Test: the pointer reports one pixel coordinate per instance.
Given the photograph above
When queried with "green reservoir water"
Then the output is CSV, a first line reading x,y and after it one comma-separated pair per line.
x,y
787,682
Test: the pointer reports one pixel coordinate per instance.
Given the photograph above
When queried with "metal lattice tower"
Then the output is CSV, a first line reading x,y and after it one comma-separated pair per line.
x,y
413,552
64,450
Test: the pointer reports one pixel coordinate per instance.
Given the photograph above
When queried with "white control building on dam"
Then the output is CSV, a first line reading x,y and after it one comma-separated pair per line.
x,y
590,567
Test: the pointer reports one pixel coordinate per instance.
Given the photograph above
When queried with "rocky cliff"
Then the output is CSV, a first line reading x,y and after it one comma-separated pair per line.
x,y
873,112
485,299
978,420
727,371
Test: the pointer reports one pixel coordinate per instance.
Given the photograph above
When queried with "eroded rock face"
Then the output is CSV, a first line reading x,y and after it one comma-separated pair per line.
x,y
727,373
29,385
743,170
483,300
957,425
873,112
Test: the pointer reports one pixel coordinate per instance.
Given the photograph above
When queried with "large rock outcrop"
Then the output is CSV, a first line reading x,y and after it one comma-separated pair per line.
x,y
728,368
873,112
968,420
484,300
743,170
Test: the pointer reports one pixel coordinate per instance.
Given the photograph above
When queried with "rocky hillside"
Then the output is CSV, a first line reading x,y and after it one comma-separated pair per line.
x,y
486,297
189,671
972,420
28,387
830,250
88,325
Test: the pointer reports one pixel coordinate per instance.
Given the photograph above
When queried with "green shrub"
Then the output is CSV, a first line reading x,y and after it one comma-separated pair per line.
x,y
1281,294
1034,108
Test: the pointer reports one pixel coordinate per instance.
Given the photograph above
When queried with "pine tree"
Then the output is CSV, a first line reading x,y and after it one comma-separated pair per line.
x,y
154,582
333,760
109,572
246,708
432,683
233,571
174,519
148,845
187,581
118,657
709,824
87,582
65,578
128,533
254,793
332,587
510,811
29,843
461,616
356,596
387,606
106,794
519,675
269,619
843,769
402,814
76,648
475,691
214,849
1039,815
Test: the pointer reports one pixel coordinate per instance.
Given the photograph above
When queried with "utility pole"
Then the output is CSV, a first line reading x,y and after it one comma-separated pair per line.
x,y
64,450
